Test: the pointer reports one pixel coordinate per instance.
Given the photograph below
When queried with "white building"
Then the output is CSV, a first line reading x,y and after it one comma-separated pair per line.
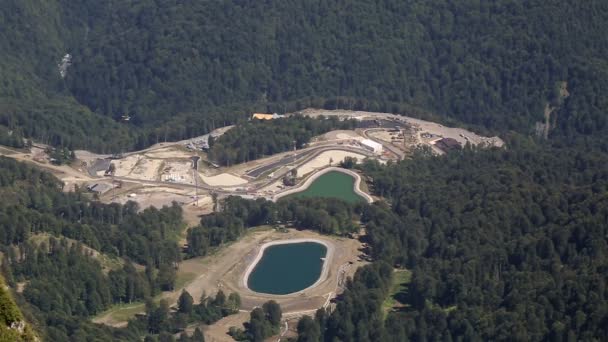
x,y
372,146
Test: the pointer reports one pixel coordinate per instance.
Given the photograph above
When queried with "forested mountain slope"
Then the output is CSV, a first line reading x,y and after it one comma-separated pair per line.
x,y
493,64
503,244
63,285
13,327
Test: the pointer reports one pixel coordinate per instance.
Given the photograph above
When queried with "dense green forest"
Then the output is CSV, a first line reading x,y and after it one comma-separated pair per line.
x,y
181,68
238,215
505,244
64,284
502,244
255,139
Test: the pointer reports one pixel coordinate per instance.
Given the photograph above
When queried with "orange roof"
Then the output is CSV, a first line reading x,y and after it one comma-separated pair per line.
x,y
261,116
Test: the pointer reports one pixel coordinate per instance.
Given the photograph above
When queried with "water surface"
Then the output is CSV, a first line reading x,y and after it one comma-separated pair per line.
x,y
334,184
288,268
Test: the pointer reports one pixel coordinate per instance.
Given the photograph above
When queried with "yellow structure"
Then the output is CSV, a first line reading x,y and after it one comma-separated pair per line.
x,y
261,116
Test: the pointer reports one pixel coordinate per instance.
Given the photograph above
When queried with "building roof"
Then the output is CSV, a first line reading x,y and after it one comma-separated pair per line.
x,y
371,143
262,116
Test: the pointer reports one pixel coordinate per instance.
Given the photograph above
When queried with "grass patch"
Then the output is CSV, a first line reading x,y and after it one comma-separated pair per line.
x,y
125,312
259,229
122,312
398,293
434,306
184,278
107,262
110,262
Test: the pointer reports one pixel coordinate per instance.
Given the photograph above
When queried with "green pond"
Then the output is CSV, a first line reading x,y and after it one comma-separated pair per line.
x,y
287,268
333,184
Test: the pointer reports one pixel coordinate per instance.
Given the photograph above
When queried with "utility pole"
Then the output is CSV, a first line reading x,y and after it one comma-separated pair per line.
x,y
195,186
195,160
293,161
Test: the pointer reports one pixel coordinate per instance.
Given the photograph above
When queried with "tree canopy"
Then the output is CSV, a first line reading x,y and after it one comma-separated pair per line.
x,y
178,69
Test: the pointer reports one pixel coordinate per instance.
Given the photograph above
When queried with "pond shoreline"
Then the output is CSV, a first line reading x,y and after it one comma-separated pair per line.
x,y
324,271
306,184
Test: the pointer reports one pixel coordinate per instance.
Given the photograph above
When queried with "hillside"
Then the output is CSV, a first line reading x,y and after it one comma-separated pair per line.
x,y
75,258
492,64
13,326
505,243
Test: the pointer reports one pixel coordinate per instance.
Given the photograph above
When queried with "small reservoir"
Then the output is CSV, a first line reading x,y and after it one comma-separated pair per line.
x,y
287,268
334,184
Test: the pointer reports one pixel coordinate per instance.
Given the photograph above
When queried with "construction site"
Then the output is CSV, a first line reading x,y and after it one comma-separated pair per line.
x,y
180,172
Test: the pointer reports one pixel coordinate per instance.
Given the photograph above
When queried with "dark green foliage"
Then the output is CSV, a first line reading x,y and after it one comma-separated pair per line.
x,y
348,162
198,336
233,304
161,320
273,312
263,323
60,155
308,330
179,69
158,317
503,244
64,283
185,302
10,138
258,138
325,216
166,277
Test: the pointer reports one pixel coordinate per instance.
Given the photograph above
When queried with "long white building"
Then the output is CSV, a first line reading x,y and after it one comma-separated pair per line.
x,y
372,146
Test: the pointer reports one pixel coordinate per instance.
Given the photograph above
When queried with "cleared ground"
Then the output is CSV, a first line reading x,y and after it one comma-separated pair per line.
x,y
225,270
396,299
461,135
328,158
223,179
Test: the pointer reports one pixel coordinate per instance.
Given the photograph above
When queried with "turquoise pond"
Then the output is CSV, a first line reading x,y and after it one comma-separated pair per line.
x,y
288,268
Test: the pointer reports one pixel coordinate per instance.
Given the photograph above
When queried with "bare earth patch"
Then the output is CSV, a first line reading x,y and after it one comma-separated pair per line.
x,y
226,267
223,179
323,160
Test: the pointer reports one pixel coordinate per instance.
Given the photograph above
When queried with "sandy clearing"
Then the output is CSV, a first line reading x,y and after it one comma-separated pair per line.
x,y
157,197
218,331
147,169
461,135
225,269
323,159
178,172
382,135
88,156
60,171
338,135
192,213
223,179
125,166
137,166
169,152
